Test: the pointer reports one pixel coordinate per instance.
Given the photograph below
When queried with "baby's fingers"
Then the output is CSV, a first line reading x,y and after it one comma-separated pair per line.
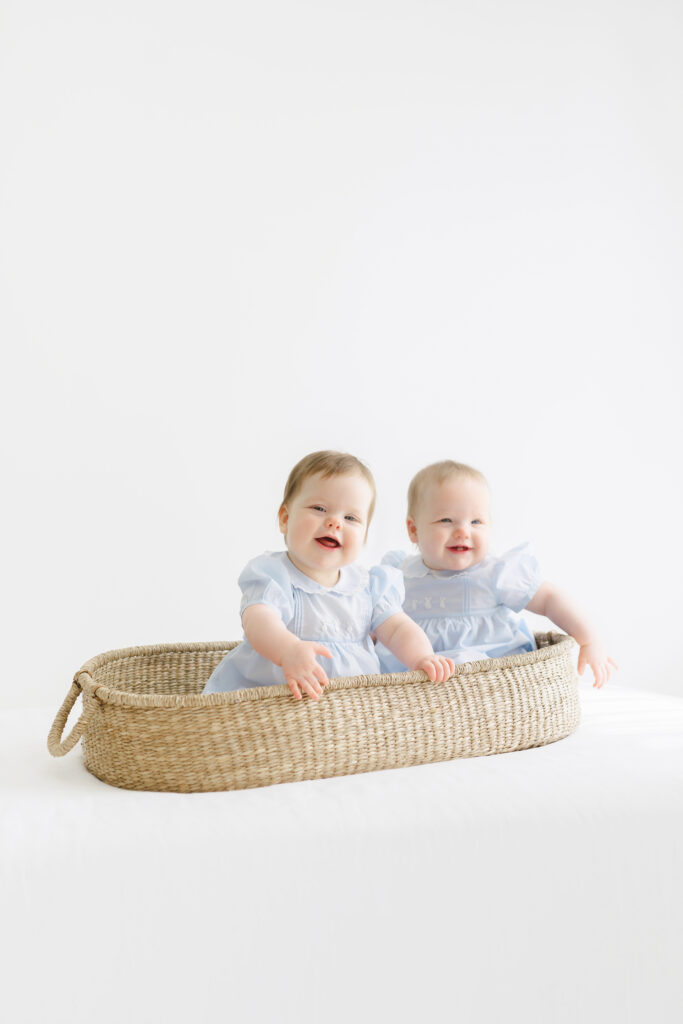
x,y
430,668
601,673
309,685
607,668
312,688
319,649
439,670
446,669
320,675
292,684
304,684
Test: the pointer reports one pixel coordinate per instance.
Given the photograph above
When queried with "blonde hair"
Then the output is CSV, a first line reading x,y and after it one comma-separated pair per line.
x,y
326,464
437,473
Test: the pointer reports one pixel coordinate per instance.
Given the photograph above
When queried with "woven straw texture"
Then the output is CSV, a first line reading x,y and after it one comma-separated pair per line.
x,y
146,725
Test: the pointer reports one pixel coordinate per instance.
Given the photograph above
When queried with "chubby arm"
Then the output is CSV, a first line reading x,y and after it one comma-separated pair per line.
x,y
410,645
268,635
560,609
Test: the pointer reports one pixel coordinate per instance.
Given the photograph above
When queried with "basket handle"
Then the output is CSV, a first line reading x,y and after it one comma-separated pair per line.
x,y
55,744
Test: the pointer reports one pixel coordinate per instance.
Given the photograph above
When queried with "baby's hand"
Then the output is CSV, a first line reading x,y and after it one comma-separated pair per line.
x,y
302,671
595,655
436,666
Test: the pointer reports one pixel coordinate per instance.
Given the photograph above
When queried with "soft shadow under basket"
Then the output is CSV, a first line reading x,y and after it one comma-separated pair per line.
x,y
146,724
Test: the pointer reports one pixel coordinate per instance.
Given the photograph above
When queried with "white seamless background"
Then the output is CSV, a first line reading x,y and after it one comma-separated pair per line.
x,y
231,234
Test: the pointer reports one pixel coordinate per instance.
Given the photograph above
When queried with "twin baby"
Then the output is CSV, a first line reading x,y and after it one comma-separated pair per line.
x,y
313,605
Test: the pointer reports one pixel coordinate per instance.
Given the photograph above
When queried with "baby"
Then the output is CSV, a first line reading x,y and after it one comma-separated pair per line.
x,y
467,601
313,601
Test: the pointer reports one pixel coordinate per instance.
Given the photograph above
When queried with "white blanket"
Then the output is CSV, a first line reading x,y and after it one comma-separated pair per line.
x,y
539,886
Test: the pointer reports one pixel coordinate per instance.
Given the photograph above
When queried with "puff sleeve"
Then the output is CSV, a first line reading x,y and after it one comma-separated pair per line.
x,y
264,580
516,577
387,592
394,558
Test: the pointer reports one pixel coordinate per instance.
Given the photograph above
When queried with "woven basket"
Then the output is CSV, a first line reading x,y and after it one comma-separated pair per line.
x,y
146,725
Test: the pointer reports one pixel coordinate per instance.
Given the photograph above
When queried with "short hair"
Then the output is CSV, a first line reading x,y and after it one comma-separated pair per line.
x,y
328,464
437,473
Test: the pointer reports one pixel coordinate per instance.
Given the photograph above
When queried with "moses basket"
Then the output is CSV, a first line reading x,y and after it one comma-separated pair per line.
x,y
145,723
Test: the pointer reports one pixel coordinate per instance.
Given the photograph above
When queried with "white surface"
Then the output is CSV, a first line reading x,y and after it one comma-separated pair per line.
x,y
539,886
232,233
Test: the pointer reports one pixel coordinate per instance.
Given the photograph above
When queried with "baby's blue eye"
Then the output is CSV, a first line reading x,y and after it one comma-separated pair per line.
x,y
477,522
318,508
351,519
445,520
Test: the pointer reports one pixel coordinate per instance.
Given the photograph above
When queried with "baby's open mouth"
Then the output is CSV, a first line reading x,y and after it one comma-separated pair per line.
x,y
328,542
459,547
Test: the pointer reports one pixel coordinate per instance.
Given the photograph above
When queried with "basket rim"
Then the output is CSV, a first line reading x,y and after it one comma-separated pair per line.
x,y
557,645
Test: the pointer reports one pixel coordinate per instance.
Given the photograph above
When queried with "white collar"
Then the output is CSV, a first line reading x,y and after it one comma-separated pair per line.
x,y
413,568
352,578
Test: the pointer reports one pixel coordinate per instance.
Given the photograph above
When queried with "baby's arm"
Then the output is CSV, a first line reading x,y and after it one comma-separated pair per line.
x,y
268,635
410,645
559,608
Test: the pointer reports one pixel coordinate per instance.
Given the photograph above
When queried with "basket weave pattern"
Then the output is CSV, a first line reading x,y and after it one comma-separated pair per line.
x,y
146,724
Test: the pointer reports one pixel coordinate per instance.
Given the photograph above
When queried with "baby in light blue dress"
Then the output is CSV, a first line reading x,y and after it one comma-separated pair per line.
x,y
466,600
313,602
470,614
340,617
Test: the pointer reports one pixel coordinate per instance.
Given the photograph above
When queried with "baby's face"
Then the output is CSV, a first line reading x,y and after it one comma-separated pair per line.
x,y
325,524
452,524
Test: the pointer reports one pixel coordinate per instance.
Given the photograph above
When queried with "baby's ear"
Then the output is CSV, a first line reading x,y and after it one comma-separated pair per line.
x,y
412,529
283,518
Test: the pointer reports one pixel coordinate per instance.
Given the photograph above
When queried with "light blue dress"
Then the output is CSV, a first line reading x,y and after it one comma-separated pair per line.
x,y
473,613
340,617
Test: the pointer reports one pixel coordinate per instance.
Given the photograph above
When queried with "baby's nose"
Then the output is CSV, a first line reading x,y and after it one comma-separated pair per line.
x,y
333,522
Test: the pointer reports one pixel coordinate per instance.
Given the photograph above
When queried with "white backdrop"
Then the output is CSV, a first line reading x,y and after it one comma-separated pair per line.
x,y
232,234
